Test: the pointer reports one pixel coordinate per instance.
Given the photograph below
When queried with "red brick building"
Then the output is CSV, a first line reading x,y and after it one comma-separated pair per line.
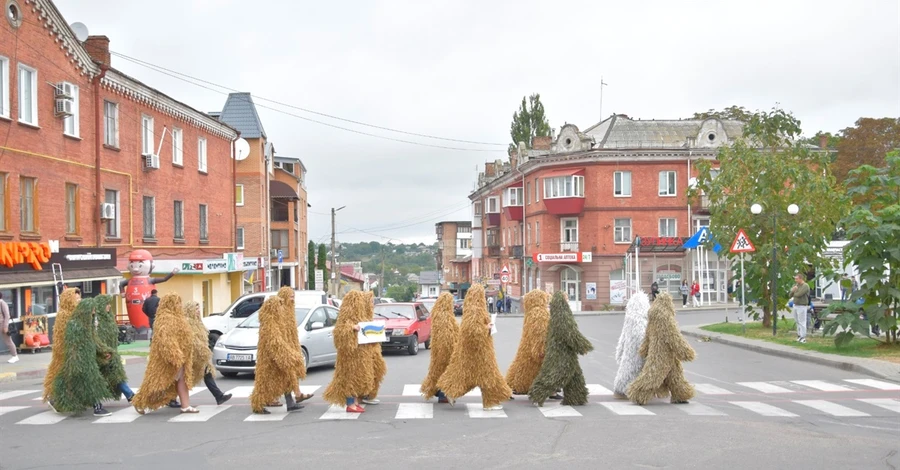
x,y
454,255
93,158
586,197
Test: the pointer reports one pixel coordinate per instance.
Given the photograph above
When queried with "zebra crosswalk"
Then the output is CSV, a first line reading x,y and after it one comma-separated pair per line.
x,y
780,399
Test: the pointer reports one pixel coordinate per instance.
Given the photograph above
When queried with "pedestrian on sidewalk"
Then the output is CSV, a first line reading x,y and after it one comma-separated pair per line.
x,y
149,309
654,290
490,302
508,304
685,290
6,330
800,294
695,294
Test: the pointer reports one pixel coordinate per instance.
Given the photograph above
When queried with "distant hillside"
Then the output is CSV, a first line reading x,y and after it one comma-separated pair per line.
x,y
399,260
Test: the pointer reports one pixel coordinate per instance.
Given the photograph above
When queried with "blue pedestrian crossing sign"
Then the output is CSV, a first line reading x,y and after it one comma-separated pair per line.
x,y
280,256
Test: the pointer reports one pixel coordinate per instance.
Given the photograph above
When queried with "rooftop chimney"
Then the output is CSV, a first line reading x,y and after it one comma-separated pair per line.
x,y
489,170
98,48
823,141
541,142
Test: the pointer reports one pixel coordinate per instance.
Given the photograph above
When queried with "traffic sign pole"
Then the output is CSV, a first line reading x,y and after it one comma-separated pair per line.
x,y
743,303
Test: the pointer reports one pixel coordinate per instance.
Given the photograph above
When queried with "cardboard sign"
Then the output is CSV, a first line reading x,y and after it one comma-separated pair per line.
x,y
371,332
494,323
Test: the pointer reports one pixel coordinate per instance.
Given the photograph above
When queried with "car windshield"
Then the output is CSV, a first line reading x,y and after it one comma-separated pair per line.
x,y
395,311
253,320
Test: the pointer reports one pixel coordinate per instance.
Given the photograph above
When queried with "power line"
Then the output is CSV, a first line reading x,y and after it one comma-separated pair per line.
x,y
182,76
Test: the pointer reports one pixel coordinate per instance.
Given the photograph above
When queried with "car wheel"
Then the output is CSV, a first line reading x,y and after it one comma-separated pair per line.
x,y
428,344
413,345
230,375
305,358
213,338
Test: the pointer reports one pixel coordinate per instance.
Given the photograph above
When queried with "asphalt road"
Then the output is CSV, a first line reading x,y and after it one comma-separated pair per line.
x,y
749,414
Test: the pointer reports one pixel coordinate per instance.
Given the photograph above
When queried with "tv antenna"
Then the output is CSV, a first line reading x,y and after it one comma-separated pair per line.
x,y
241,149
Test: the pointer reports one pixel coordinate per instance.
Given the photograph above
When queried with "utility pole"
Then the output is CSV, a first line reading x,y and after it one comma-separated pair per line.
x,y
336,279
381,287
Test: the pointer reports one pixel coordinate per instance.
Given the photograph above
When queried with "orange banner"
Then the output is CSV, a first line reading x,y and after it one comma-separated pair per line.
x,y
33,253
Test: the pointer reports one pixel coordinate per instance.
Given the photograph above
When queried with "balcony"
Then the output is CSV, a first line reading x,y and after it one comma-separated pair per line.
x,y
568,246
518,252
512,203
564,191
703,207
493,219
493,251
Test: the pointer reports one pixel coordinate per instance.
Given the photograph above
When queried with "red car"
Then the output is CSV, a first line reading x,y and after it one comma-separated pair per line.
x,y
407,325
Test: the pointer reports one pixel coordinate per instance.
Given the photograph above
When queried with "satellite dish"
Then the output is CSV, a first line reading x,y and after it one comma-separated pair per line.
x,y
80,30
241,149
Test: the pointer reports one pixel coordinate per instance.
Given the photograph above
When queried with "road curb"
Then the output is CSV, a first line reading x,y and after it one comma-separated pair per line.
x,y
872,367
39,373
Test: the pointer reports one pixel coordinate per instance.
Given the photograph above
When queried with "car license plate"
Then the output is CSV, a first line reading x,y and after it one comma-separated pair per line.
x,y
240,357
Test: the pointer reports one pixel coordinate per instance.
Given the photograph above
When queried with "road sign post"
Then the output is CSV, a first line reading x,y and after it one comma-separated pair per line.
x,y
742,244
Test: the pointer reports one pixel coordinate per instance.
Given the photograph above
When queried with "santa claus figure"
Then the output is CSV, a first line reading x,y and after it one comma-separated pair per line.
x,y
138,287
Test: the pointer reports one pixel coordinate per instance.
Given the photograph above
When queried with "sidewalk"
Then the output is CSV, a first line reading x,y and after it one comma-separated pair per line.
x,y
620,310
34,366
872,367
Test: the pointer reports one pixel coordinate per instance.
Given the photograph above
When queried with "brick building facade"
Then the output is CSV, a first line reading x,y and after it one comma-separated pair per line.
x,y
454,255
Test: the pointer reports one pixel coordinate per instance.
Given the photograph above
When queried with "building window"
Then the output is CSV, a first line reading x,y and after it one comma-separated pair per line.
x,y
28,95
513,197
700,223
149,217
72,204
564,186
569,236
516,235
70,123
280,211
465,243
537,233
666,183
493,205
239,238
201,154
4,202
463,229
477,208
177,147
239,195
667,228
280,240
4,87
536,191
178,212
27,202
112,224
111,118
528,192
714,173
146,135
204,228
288,167
623,231
622,183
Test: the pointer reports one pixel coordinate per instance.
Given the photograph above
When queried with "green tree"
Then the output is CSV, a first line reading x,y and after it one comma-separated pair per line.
x,y
873,228
737,113
867,143
769,166
320,263
528,122
311,264
399,293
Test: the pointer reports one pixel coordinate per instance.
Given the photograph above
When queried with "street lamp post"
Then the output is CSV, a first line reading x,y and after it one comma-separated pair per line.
x,y
757,209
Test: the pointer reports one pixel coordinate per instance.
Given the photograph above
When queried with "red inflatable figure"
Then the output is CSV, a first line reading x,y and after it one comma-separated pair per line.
x,y
136,289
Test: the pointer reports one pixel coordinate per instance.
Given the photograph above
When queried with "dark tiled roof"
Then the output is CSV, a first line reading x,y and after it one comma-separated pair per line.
x,y
240,112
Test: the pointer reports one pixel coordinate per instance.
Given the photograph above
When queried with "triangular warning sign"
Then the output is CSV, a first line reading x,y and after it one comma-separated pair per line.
x,y
742,243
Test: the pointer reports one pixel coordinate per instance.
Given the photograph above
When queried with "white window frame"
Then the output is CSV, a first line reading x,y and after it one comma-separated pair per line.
x,y
527,234
178,219
618,231
669,178
537,233
151,233
465,244
71,126
239,239
476,209
238,187
177,146
494,202
619,178
537,191
34,93
201,155
528,193
113,223
146,134
513,197
671,227
111,123
568,243
559,187
28,217
204,222
5,108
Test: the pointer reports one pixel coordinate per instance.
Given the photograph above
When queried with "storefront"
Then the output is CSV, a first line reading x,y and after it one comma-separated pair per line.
x,y
27,277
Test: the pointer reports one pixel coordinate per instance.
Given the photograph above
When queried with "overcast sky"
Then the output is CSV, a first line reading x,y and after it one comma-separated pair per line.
x,y
458,69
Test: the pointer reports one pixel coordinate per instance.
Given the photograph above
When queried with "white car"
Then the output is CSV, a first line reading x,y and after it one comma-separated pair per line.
x,y
219,324
235,351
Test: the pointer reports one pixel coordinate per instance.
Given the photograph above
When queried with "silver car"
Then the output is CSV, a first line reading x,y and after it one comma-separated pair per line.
x,y
235,351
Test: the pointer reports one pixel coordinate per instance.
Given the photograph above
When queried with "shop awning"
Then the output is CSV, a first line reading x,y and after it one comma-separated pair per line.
x,y
279,190
32,278
563,172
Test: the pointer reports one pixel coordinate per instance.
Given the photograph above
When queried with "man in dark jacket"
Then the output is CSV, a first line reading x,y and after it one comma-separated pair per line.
x,y
149,309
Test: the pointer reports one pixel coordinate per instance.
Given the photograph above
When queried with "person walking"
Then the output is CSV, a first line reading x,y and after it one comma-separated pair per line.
x,y
800,294
490,302
6,330
685,290
149,309
654,290
695,294
508,304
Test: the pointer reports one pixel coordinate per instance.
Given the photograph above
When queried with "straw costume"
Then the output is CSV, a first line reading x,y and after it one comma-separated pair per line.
x,y
202,359
108,335
633,330
373,350
530,356
353,372
278,355
68,300
171,356
444,335
473,363
663,349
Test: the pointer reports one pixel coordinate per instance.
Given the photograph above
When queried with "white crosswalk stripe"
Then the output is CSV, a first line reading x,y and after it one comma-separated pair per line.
x,y
476,410
47,417
831,408
125,415
764,409
195,390
627,409
765,387
16,393
874,384
822,385
886,403
336,412
241,392
206,413
276,414
412,390
559,411
598,390
699,409
415,411
10,409
710,389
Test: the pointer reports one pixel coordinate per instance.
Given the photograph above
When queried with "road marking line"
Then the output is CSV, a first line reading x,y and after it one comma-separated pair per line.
x,y
475,392
886,403
412,390
831,408
765,387
559,411
125,415
822,385
17,393
304,389
205,414
874,384
47,417
476,410
241,392
196,390
627,409
339,412
598,390
699,409
415,411
763,409
710,389
277,414
10,409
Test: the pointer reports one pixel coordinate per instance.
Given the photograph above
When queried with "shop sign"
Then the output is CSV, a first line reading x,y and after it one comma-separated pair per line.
x,y
235,261
24,253
34,256
662,242
251,264
557,257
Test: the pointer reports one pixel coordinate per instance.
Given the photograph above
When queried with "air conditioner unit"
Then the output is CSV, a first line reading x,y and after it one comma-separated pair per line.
x,y
64,107
273,253
107,211
65,90
151,161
